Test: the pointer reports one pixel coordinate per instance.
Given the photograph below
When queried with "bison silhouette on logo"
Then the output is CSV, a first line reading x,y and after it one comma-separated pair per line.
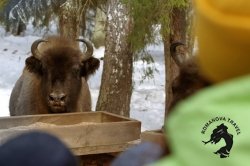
x,y
218,133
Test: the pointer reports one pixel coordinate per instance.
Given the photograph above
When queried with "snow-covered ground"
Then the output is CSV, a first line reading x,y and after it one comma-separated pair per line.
x,y
147,103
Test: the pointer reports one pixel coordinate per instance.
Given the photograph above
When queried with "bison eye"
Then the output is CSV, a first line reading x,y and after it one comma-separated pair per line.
x,y
76,72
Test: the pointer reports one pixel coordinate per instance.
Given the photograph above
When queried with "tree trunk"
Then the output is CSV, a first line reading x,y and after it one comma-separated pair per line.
x,y
70,18
177,33
116,87
170,70
190,31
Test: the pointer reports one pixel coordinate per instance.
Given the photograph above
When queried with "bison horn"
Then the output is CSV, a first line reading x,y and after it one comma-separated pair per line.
x,y
174,54
90,49
34,49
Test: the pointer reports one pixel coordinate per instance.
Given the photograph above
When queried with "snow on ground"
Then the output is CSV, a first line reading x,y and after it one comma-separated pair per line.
x,y
147,103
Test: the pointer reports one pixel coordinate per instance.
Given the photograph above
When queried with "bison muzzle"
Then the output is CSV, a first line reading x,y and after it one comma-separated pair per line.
x,y
54,79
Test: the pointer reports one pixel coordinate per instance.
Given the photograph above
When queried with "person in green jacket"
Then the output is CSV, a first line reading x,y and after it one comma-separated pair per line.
x,y
212,127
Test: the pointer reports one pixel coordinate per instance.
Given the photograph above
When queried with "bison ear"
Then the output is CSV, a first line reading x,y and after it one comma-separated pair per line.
x,y
89,67
34,65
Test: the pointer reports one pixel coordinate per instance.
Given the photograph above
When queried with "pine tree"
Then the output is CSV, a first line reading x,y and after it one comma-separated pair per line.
x,y
3,3
19,12
171,15
71,14
145,15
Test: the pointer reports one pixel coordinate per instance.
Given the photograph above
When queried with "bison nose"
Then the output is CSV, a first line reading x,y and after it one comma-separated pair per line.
x,y
57,97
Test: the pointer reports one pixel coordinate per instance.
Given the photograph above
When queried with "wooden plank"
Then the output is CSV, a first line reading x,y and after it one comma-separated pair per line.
x,y
102,149
62,119
91,132
154,136
57,119
97,134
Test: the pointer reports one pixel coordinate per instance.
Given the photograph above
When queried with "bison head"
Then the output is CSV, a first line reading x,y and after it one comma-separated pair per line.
x,y
189,79
62,69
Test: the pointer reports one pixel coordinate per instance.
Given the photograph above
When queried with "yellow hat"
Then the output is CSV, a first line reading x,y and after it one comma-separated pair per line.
x,y
223,29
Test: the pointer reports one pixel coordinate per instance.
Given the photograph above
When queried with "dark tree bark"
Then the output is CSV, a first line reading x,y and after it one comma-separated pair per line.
x,y
116,87
178,27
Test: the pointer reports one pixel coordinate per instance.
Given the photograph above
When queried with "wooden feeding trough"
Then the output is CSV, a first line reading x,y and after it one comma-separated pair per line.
x,y
83,132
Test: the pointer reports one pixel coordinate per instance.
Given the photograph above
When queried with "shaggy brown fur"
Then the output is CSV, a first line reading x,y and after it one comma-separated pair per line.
x,y
58,71
189,79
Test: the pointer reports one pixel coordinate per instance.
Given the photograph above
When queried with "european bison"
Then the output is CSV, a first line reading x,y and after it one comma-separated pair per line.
x,y
54,79
189,79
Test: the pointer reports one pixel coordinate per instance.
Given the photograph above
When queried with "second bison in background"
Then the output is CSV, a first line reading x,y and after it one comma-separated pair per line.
x,y
189,79
54,79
